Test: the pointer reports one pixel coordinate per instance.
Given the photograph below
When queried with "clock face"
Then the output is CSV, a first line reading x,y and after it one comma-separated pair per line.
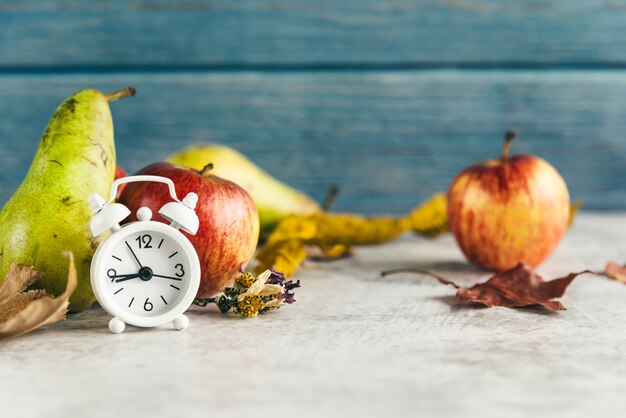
x,y
147,273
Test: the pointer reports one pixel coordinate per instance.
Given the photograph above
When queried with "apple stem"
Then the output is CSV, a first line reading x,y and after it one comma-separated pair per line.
x,y
509,136
120,94
206,169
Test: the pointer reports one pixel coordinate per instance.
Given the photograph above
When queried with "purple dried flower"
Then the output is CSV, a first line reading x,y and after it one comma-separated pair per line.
x,y
276,277
287,296
289,285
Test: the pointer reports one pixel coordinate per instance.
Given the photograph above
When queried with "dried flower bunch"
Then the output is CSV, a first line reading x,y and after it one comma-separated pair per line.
x,y
251,295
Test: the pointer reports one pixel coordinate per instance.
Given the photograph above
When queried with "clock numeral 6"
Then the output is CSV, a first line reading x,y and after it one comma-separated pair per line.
x,y
180,273
147,306
145,240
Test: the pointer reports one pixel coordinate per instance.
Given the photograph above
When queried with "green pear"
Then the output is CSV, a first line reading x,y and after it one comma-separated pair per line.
x,y
274,199
50,212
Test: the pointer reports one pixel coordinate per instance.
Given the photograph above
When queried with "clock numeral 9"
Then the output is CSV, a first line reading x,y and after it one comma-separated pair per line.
x,y
147,306
111,273
180,273
145,240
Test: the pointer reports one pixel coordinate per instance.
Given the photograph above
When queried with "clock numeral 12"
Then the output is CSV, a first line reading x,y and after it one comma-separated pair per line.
x,y
145,240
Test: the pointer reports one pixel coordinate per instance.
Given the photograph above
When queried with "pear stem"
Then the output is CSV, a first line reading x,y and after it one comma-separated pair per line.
x,y
206,169
330,197
120,94
508,140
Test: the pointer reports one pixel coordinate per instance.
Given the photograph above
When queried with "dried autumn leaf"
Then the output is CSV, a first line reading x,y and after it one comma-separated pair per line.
x,y
18,279
335,233
430,218
335,251
284,256
615,271
12,296
518,287
17,303
23,312
574,207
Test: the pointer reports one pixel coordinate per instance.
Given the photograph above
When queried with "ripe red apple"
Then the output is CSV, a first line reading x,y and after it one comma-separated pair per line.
x,y
508,209
229,221
119,173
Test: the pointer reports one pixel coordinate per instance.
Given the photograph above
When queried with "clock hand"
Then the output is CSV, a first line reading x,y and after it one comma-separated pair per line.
x,y
133,253
115,276
167,277
125,277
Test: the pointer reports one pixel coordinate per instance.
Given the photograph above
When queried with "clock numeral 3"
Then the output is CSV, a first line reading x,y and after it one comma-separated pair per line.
x,y
147,306
144,240
180,273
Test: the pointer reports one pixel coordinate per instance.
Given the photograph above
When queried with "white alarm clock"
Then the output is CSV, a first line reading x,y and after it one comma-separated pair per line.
x,y
146,273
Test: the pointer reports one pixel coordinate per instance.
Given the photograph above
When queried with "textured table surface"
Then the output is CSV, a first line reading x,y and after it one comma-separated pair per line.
x,y
353,345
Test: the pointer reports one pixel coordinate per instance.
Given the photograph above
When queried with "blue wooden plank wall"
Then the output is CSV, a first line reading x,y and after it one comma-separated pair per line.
x,y
388,99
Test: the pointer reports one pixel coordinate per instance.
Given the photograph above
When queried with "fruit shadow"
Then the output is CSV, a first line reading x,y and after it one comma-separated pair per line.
x,y
95,319
213,313
457,305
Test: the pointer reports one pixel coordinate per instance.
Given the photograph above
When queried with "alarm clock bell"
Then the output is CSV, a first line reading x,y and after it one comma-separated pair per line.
x,y
108,215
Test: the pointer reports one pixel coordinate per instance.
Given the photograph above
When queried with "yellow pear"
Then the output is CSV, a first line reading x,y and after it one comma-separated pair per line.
x,y
274,199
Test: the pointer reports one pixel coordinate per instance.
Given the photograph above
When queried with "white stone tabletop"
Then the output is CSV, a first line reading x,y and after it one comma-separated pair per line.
x,y
353,345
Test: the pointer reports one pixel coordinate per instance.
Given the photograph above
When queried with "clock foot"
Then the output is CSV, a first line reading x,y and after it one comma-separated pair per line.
x,y
181,322
116,326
